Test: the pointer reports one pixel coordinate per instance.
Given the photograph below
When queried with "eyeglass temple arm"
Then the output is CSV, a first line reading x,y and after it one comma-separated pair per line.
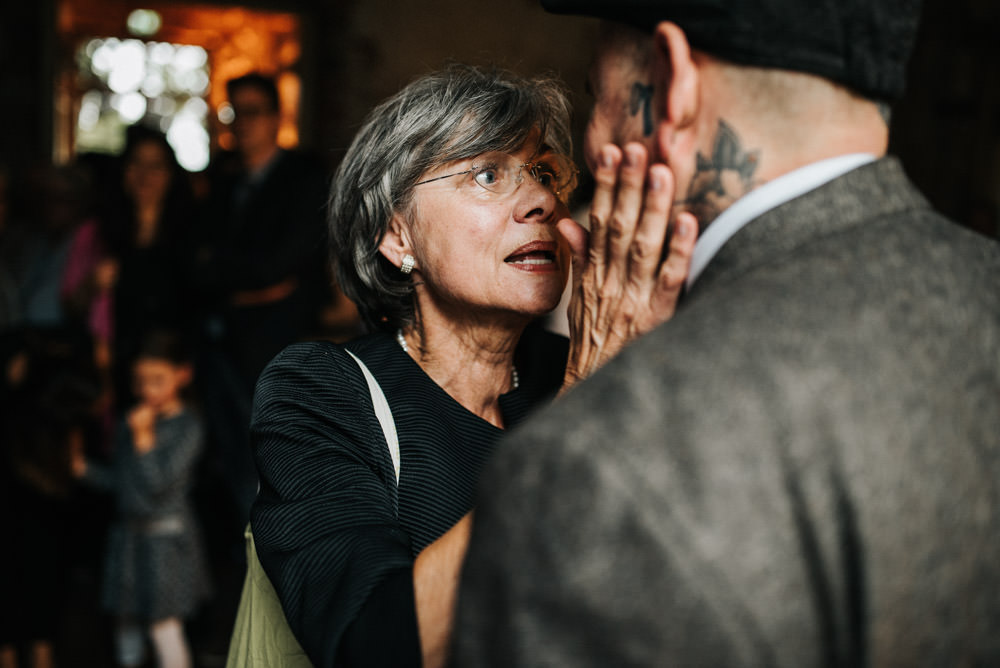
x,y
438,178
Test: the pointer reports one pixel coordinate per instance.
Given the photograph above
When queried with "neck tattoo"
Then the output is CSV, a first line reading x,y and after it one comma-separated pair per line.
x,y
515,380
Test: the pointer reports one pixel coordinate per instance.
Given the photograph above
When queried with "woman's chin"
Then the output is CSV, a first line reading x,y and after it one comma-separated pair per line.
x,y
543,304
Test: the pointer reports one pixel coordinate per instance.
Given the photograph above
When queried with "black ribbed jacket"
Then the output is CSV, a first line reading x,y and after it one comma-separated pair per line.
x,y
334,534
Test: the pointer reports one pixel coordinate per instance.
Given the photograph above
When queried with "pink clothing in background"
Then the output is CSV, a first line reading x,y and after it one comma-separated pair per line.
x,y
85,253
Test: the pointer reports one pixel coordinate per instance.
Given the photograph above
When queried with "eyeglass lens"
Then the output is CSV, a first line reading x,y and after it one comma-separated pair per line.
x,y
502,174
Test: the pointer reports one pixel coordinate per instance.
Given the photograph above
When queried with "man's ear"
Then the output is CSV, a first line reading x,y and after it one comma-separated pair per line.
x,y
677,81
396,243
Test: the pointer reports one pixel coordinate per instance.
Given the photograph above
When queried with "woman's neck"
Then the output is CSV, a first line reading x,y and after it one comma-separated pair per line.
x,y
147,218
472,363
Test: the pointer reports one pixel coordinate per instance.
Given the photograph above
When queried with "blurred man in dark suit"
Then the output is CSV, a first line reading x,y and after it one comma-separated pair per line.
x,y
261,269
269,252
802,467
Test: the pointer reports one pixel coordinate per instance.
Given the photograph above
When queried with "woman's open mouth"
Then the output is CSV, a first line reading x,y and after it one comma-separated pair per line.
x,y
535,255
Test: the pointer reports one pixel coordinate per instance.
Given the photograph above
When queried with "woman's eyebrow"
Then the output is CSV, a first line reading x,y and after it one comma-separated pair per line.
x,y
543,149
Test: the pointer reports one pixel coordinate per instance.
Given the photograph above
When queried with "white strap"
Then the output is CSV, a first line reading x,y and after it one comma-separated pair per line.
x,y
383,413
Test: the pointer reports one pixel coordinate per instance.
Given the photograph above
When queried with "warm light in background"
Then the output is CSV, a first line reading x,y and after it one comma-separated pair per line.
x,y
166,65
144,22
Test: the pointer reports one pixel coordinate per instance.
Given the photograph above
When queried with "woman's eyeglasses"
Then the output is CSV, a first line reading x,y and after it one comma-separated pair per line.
x,y
502,173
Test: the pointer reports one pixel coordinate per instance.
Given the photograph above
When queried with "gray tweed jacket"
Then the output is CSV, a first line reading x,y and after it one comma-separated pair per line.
x,y
802,468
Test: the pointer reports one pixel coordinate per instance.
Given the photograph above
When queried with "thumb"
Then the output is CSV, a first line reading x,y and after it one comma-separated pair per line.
x,y
578,238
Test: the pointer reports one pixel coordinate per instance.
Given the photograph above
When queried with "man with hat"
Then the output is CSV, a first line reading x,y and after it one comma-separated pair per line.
x,y
802,467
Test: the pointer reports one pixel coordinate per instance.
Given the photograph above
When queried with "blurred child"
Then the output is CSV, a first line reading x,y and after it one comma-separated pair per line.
x,y
154,574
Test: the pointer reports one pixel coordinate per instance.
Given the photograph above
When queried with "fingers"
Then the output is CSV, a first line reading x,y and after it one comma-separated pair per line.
x,y
619,211
603,202
632,272
626,287
674,271
624,219
682,242
646,250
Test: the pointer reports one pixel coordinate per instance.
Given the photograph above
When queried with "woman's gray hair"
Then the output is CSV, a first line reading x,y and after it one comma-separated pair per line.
x,y
453,114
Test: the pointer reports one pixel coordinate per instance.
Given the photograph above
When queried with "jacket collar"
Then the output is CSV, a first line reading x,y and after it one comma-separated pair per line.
x,y
871,191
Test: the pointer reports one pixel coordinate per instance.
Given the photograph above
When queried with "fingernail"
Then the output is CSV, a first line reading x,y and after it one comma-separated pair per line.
x,y
629,158
683,229
655,180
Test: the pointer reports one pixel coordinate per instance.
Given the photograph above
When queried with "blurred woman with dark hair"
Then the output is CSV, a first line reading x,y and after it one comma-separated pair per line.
x,y
145,230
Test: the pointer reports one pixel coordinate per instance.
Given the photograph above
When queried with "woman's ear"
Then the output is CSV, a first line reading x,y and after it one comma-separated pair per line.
x,y
676,77
396,243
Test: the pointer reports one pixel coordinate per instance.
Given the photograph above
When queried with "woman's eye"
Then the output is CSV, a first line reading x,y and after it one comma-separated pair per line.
x,y
545,175
488,177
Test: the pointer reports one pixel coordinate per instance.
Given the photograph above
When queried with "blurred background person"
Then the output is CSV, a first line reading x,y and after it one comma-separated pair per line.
x,y
147,229
260,267
155,574
48,391
58,247
260,276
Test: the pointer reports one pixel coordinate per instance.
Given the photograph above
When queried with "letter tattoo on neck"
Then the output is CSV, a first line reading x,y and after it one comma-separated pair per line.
x,y
642,96
722,178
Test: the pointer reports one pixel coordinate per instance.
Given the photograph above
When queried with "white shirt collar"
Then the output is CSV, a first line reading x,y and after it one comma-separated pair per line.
x,y
768,196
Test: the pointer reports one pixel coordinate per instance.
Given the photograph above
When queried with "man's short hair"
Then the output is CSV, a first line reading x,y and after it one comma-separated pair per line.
x,y
261,82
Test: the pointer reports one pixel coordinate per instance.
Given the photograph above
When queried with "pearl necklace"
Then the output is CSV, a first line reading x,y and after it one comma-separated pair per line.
x,y
515,381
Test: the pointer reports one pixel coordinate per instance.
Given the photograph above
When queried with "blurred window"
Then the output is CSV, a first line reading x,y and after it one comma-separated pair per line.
x,y
165,64
161,84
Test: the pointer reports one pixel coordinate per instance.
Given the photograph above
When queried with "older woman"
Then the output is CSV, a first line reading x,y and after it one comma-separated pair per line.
x,y
443,222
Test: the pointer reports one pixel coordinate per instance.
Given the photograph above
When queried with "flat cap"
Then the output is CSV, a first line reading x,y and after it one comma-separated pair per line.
x,y
863,44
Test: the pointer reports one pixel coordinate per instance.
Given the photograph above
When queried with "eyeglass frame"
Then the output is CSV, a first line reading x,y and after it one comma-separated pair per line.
x,y
570,183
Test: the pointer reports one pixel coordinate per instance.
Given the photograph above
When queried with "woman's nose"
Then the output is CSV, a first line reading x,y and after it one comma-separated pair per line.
x,y
535,203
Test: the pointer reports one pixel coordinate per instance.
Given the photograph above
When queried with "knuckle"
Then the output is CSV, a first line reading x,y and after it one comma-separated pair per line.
x,y
604,176
669,287
608,292
594,257
680,248
617,226
640,251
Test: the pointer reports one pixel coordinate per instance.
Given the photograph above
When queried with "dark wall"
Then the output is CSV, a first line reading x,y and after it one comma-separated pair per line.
x,y
367,50
26,80
947,127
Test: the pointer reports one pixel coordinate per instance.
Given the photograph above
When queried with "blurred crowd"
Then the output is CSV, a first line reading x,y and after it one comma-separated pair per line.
x,y
96,255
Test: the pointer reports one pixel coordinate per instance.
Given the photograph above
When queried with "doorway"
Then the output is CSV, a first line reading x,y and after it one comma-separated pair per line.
x,y
166,65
